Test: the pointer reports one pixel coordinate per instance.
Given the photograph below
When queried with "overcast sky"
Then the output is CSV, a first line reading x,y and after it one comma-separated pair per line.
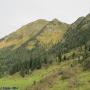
x,y
16,13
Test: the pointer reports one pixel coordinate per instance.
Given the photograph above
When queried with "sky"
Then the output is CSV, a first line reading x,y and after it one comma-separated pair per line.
x,y
16,13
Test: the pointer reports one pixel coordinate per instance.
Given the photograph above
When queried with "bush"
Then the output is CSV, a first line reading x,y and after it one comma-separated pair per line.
x,y
22,73
64,58
73,82
67,74
86,64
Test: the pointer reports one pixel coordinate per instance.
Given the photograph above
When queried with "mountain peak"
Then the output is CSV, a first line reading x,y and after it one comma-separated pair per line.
x,y
41,20
55,20
88,16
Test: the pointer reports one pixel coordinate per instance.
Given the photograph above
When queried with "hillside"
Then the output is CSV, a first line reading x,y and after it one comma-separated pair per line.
x,y
47,55
30,41
78,33
23,34
36,30
57,76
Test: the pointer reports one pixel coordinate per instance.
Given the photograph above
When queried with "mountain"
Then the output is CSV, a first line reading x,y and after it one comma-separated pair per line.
x,y
40,40
78,34
47,55
23,34
30,41
39,30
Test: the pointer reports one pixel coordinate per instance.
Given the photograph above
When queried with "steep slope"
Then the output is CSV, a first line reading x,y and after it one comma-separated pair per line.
x,y
52,34
77,35
23,34
38,30
30,42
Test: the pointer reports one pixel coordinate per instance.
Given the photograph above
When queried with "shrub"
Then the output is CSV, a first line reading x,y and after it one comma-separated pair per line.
x,y
22,73
73,82
86,64
67,74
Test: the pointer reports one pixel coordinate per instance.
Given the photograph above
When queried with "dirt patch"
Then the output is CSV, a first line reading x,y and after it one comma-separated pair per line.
x,y
45,83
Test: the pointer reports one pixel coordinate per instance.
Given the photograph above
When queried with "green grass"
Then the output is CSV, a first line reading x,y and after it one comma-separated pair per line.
x,y
82,77
83,82
21,83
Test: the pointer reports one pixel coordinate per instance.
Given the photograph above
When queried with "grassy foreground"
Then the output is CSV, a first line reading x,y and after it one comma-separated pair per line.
x,y
17,81
72,78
